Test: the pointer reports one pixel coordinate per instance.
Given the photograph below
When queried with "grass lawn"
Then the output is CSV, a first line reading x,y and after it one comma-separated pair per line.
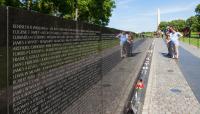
x,y
193,41
194,34
148,35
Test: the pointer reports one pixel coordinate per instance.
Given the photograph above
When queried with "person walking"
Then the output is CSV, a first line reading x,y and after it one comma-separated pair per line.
x,y
174,36
123,40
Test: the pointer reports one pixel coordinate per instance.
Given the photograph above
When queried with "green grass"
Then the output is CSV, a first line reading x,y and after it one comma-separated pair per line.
x,y
194,35
148,34
192,41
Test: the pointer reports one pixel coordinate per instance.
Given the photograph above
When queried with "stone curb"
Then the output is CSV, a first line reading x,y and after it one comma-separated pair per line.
x,y
147,100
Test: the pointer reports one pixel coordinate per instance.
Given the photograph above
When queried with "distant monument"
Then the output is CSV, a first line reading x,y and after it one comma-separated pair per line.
x,y
159,32
158,18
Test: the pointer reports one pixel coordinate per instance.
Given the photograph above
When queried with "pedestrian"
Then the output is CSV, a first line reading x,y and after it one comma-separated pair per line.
x,y
129,45
123,40
169,43
174,36
162,34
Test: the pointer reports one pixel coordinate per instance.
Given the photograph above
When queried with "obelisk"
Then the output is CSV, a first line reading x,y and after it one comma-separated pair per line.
x,y
158,18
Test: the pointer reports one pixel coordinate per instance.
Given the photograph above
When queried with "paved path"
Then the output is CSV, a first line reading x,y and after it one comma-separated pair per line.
x,y
168,92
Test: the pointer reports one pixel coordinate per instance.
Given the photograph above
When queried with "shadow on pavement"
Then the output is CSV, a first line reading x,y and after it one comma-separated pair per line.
x,y
134,54
165,55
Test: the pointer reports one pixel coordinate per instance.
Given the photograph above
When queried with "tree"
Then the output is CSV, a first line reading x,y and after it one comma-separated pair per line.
x,y
193,23
2,2
65,7
107,11
197,10
13,3
92,11
44,6
179,24
96,11
163,25
84,7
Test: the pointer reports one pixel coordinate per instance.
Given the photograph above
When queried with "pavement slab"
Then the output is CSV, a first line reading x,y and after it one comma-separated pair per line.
x,y
168,92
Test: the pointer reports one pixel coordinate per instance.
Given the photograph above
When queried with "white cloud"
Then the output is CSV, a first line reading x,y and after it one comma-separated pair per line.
x,y
134,23
123,3
177,9
171,9
148,14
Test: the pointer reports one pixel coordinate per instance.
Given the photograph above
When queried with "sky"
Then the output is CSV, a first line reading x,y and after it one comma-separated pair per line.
x,y
141,15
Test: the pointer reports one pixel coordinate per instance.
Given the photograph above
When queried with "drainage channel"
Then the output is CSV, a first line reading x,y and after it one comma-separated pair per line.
x,y
136,98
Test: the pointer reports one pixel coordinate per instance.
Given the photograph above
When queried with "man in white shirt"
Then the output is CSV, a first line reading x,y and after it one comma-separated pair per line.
x,y
123,39
174,36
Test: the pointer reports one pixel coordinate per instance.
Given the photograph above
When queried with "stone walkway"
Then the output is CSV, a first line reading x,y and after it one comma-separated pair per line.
x,y
168,91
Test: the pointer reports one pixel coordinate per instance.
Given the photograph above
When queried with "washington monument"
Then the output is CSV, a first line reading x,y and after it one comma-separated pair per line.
x,y
158,18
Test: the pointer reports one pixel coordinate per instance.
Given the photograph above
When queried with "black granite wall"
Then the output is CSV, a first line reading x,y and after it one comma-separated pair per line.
x,y
3,61
50,62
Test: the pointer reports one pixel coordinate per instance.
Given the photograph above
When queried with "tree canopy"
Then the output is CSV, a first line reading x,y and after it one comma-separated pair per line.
x,y
14,3
197,10
192,22
177,24
92,11
163,25
1,2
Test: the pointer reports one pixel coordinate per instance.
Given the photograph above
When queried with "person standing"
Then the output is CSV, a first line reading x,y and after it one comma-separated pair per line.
x,y
123,40
129,45
169,43
174,36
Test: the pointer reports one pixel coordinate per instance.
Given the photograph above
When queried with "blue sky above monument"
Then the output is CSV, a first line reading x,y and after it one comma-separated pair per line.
x,y
141,15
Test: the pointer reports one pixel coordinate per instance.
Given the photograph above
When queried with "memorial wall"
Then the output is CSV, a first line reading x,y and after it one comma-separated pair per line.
x,y
47,63
3,61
